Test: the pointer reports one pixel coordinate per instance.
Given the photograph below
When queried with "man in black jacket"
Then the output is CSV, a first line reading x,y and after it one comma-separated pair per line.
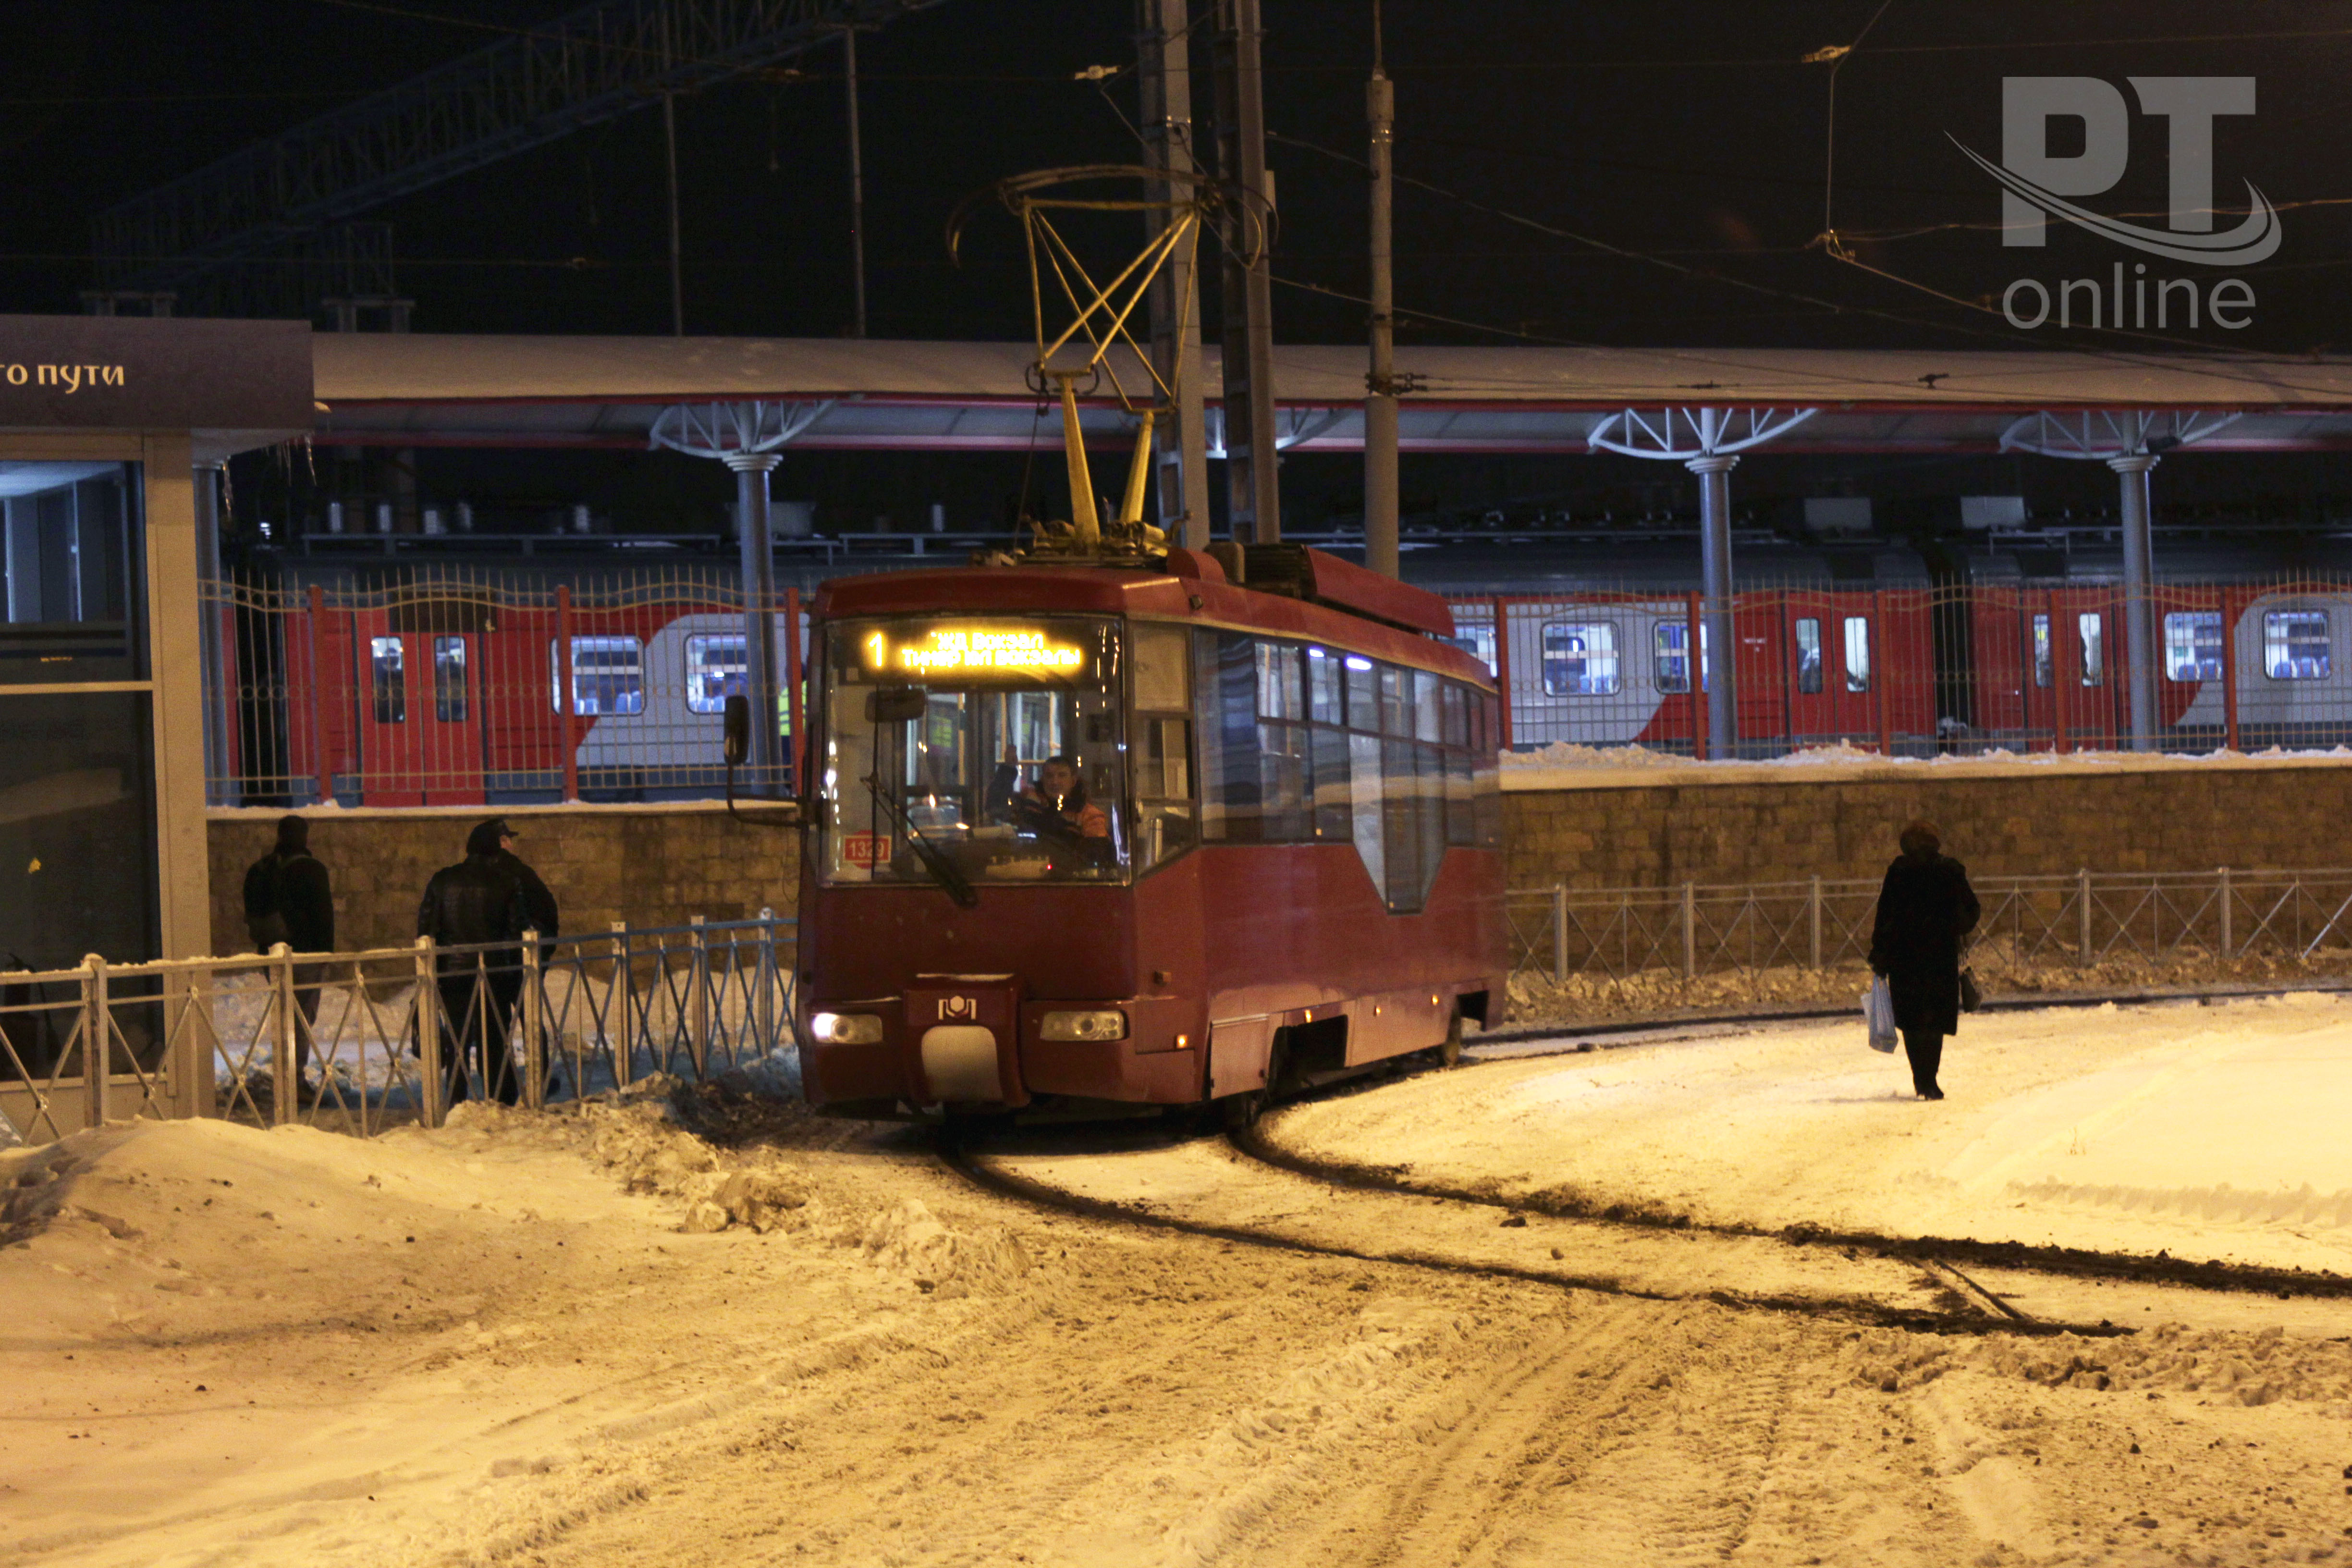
x,y
480,901
1926,907
288,899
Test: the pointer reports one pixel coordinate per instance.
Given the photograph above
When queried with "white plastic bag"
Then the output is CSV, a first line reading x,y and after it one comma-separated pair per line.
x,y
1878,1012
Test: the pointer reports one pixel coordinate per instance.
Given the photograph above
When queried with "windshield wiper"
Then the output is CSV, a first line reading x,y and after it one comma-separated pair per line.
x,y
935,860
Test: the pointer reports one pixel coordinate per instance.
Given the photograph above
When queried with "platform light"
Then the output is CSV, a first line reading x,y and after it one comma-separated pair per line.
x,y
1098,1024
846,1029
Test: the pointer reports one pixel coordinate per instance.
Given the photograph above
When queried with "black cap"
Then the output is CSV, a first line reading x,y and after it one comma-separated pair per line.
x,y
483,840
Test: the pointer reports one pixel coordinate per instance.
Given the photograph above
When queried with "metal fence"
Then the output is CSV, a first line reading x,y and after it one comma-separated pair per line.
x,y
450,688
2031,927
356,1041
1920,671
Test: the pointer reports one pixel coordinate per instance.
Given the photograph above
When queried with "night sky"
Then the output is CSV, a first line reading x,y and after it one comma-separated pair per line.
x,y
1691,134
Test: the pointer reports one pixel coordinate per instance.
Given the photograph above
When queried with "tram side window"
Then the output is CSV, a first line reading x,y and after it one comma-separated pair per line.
x,y
2192,645
1486,780
1310,744
1857,653
1808,633
1579,659
2294,645
1165,823
2092,629
388,677
449,680
2045,672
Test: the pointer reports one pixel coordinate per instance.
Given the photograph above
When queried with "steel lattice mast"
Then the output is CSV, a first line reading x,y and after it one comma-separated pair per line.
x,y
596,64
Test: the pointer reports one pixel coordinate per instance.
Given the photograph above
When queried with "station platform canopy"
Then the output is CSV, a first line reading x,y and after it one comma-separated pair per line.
x,y
423,390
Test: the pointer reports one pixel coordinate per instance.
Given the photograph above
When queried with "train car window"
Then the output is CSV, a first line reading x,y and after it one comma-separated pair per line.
x,y
1808,633
1396,700
716,669
2092,629
1166,820
1279,692
1670,656
1579,659
1326,686
1857,653
2044,671
1016,767
1428,705
2294,645
1475,638
449,680
608,676
388,681
1457,714
1363,693
2192,645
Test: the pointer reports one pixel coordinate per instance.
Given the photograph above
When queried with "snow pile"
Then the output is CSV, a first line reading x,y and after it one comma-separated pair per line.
x,y
1562,765
2223,1367
1566,754
908,1239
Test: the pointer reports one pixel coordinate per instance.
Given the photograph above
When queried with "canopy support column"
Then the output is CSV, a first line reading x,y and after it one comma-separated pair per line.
x,y
752,471
1716,655
2140,595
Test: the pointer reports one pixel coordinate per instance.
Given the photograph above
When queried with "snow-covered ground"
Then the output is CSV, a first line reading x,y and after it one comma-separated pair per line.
x,y
713,1331
1563,764
2210,1132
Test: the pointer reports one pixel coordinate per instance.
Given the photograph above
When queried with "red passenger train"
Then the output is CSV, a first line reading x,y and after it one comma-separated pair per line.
x,y
1269,855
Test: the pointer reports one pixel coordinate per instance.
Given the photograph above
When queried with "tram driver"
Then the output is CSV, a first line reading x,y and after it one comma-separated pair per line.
x,y
1055,801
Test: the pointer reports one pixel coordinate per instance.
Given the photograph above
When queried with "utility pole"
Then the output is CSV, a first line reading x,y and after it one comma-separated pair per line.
x,y
1164,76
856,185
1380,382
677,266
1253,490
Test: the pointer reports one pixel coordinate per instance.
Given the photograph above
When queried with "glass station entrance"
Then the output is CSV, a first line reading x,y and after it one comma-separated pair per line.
x,y
78,861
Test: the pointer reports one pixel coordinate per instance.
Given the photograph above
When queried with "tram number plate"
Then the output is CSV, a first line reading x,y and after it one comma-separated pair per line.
x,y
864,848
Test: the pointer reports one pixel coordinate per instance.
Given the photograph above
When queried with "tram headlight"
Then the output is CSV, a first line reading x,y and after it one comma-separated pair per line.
x,y
846,1029
1098,1024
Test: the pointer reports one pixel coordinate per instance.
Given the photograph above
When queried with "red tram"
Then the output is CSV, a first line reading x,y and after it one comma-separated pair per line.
x,y
1291,869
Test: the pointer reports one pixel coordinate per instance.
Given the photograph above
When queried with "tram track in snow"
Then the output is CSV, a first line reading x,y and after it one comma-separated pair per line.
x,y
1942,1270
1972,1310
1946,1254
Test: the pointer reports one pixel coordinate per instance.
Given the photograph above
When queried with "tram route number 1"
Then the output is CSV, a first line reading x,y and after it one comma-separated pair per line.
x,y
867,849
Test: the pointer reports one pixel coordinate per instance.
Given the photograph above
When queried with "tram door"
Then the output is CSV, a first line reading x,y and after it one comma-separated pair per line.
x,y
420,714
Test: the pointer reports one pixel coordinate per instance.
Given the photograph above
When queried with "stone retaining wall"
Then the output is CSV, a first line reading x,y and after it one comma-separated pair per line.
x,y
648,867
1714,825
1772,825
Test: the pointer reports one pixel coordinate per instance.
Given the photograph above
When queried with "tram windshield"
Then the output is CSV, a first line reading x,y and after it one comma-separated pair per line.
x,y
994,740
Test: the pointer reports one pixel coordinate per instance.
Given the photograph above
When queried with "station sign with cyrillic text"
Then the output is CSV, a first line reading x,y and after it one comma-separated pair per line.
x,y
113,372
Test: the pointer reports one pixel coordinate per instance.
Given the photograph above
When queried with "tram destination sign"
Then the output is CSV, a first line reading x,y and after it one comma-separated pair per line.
x,y
112,373
966,650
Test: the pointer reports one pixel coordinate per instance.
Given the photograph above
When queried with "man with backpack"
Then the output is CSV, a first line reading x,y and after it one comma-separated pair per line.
x,y
288,899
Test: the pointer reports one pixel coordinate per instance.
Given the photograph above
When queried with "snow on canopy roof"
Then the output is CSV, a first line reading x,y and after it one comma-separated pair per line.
x,y
514,390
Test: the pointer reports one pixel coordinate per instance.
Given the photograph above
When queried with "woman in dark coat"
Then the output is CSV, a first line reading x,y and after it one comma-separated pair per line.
x,y
1926,907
